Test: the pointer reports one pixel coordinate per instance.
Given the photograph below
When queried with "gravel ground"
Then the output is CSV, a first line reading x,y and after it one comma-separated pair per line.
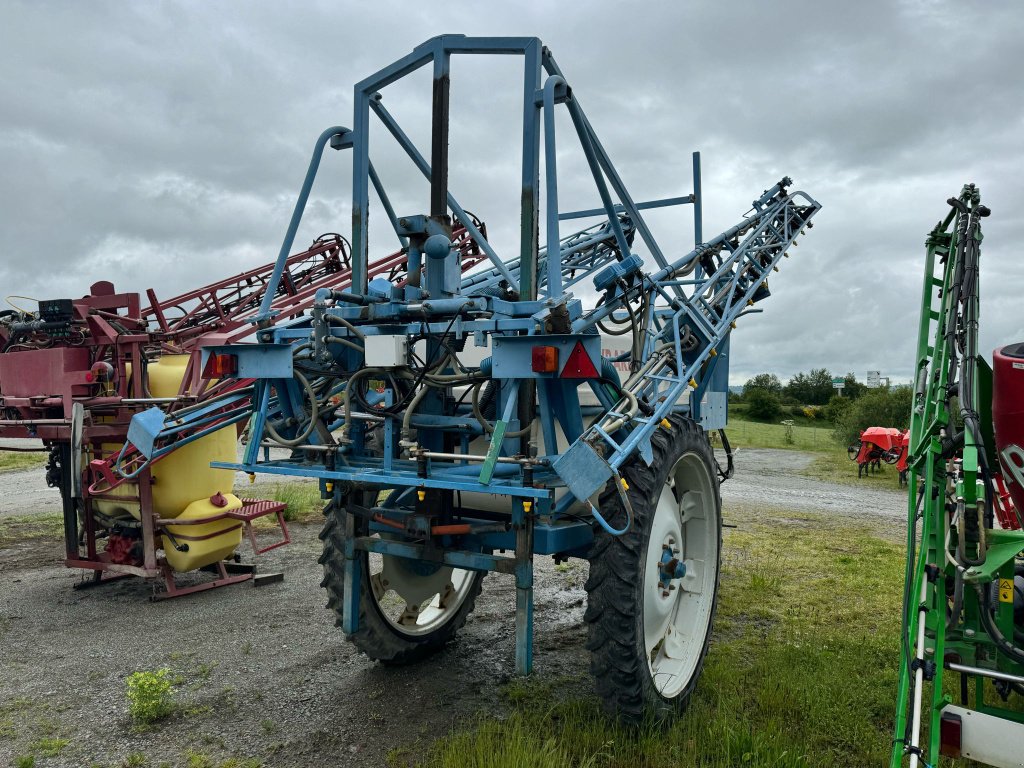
x,y
264,672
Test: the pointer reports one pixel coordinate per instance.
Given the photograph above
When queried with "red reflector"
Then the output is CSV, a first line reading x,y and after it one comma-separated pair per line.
x,y
950,735
579,365
544,359
219,366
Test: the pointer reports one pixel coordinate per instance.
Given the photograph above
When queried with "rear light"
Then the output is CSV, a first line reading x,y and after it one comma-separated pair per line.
x,y
219,366
579,365
950,735
544,359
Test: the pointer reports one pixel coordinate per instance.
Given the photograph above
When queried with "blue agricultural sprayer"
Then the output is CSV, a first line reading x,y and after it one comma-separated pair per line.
x,y
447,469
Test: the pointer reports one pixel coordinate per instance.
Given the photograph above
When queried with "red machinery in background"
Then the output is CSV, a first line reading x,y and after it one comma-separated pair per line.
x,y
877,444
74,373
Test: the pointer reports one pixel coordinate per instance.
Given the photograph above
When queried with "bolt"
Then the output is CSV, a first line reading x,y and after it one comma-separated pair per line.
x,y
675,551
671,587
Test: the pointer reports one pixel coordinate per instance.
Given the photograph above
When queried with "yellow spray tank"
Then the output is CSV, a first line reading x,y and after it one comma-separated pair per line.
x,y
184,484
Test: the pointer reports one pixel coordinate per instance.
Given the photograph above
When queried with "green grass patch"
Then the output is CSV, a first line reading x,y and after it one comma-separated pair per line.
x,y
836,467
802,671
303,500
12,461
49,747
24,527
755,434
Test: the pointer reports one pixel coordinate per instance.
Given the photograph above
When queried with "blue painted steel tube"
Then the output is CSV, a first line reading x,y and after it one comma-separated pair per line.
x,y
698,204
386,202
530,195
414,154
293,225
580,122
553,254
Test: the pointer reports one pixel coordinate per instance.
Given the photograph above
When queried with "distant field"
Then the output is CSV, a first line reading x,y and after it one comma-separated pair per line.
x,y
755,434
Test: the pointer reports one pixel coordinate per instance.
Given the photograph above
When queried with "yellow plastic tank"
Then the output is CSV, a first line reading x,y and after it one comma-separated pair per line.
x,y
224,535
186,475
184,480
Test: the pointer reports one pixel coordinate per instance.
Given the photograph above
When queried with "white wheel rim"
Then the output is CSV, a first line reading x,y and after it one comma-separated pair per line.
x,y
677,619
417,598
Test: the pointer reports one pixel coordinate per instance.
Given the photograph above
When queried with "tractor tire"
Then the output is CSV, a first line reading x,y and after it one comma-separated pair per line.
x,y
676,508
380,636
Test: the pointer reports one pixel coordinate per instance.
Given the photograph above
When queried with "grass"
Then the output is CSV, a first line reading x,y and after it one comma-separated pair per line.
x,y
50,747
836,467
755,434
25,527
12,461
303,500
831,462
802,671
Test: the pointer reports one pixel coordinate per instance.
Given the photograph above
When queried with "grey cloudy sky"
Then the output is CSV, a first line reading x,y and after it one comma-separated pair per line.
x,y
162,144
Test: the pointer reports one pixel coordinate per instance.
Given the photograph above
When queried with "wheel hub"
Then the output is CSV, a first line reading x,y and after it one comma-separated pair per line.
x,y
670,568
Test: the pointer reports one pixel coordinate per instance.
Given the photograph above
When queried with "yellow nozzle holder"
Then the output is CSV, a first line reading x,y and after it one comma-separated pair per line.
x,y
527,506
693,383
252,477
714,352
750,302
421,495
775,269
329,486
666,424
625,485
732,325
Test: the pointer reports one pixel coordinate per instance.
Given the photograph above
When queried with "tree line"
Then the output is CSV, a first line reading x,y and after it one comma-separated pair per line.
x,y
811,395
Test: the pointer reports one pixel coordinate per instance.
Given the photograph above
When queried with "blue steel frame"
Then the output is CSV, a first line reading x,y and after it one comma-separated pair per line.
x,y
685,310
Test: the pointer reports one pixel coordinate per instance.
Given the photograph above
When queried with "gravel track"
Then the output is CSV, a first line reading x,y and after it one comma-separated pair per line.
x,y
265,673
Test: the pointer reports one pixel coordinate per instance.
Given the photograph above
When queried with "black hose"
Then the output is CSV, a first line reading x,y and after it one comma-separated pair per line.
x,y
1004,645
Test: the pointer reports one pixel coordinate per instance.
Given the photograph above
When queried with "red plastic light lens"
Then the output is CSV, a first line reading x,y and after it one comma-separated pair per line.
x,y
950,735
579,365
219,366
544,359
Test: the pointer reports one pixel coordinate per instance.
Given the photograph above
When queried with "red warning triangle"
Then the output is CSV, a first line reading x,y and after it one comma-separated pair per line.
x,y
579,365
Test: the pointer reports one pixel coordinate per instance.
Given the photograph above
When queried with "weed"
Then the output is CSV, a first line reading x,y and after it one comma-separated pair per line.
x,y
25,761
150,695
49,747
303,500
268,726
205,669
247,648
198,760
134,760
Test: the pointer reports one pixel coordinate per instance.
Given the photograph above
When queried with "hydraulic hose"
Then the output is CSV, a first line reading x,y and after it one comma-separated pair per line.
x,y
1004,645
484,423
314,414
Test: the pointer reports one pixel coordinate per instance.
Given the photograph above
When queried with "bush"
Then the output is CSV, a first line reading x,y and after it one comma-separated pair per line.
x,y
837,408
877,408
150,695
812,411
763,405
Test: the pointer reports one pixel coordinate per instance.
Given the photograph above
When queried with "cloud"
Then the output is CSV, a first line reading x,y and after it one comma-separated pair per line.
x,y
163,144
